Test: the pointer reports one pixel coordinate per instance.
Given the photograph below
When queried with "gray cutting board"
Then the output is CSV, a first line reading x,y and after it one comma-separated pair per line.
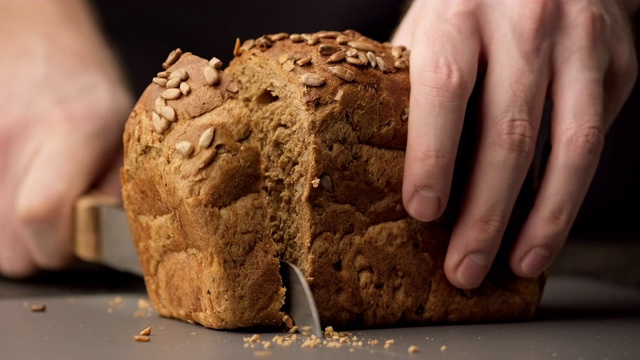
x,y
579,319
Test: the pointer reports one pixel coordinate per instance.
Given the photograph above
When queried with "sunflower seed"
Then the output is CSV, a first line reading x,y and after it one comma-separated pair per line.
x,y
168,113
173,83
171,94
236,48
232,87
285,57
296,38
338,96
159,81
185,148
352,52
355,61
363,57
163,74
342,39
304,61
397,51
185,89
247,45
288,65
361,45
311,39
309,79
211,75
160,104
328,34
337,57
342,73
206,138
401,63
372,59
263,43
328,49
381,65
179,74
215,62
172,58
326,182
278,36
160,124
141,338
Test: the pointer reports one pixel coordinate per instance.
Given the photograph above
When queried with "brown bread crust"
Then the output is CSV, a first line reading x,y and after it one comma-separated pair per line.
x,y
309,171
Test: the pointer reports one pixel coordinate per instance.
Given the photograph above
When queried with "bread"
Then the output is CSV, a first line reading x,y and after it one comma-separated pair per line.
x,y
305,165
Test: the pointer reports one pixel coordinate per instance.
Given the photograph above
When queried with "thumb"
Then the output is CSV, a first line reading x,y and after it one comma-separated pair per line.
x,y
60,171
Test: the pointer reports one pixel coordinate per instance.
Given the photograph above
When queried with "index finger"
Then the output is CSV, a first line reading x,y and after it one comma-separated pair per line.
x,y
444,64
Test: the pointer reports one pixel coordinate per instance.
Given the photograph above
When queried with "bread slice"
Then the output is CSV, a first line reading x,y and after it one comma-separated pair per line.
x,y
305,165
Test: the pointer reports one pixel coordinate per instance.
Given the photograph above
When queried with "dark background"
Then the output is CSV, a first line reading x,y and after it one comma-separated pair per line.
x,y
144,32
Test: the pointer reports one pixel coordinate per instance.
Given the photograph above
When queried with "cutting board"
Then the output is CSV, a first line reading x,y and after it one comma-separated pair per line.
x,y
578,318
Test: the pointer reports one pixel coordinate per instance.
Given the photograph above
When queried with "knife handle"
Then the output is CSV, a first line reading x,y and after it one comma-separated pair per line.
x,y
86,239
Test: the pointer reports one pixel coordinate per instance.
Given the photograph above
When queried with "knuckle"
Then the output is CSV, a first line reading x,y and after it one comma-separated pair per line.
x,y
431,157
590,22
558,220
516,135
427,157
492,226
443,79
534,26
585,142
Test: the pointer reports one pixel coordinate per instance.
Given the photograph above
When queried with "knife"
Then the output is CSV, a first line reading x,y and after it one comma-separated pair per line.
x,y
102,236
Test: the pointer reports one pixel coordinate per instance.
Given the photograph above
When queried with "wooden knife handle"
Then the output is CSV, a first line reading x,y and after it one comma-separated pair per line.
x,y
86,240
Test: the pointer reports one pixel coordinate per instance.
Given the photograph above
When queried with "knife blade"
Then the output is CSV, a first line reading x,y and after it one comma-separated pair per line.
x,y
102,235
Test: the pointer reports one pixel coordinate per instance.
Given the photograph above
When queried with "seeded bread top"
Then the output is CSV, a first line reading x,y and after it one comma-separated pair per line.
x,y
322,63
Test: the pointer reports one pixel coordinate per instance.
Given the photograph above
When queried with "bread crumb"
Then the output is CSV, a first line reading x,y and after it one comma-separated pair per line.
x,y
143,304
373,342
311,343
115,302
146,331
38,308
328,332
137,313
287,321
141,338
262,353
388,343
253,339
315,182
266,344
293,329
443,348
413,349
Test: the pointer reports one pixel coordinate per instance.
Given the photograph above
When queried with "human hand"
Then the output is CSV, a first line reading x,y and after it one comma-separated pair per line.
x,y
577,53
64,105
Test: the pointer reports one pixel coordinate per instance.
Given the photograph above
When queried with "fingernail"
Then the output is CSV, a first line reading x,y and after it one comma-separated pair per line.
x,y
424,205
536,261
472,270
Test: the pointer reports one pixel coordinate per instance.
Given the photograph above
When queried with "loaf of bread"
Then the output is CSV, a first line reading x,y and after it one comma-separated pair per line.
x,y
295,152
